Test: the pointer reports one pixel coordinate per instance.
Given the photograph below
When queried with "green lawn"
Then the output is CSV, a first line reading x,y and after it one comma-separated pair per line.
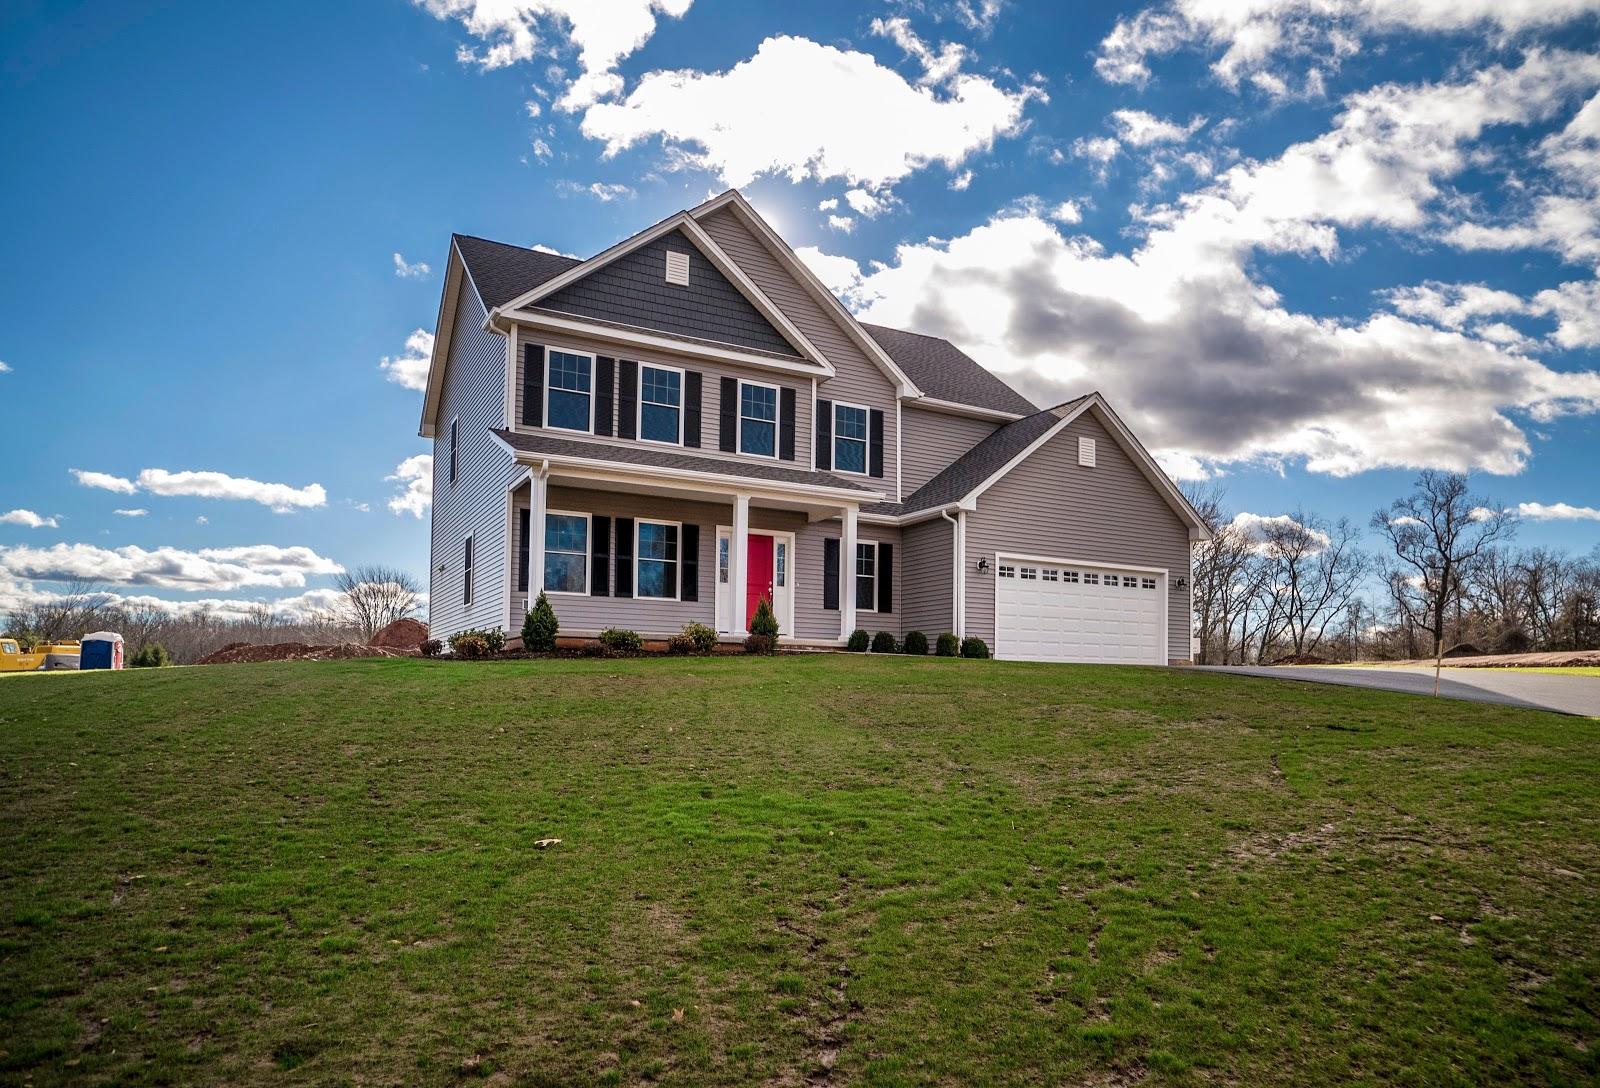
x,y
842,870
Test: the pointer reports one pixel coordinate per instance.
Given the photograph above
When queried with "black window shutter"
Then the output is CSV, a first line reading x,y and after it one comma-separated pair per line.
x,y
875,429
599,556
786,424
691,409
824,428
628,400
689,564
604,409
728,431
624,578
886,578
532,385
523,520
830,573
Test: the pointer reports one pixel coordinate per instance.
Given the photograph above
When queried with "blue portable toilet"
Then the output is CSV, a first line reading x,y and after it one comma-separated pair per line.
x,y
101,650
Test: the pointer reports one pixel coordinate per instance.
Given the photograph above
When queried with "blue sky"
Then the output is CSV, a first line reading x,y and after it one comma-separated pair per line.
x,y
1304,253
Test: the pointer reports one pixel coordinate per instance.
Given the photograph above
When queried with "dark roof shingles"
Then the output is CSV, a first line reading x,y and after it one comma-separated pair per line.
x,y
945,372
501,272
981,461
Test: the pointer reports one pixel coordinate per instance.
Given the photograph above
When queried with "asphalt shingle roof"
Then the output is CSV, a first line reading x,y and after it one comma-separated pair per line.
x,y
945,372
501,272
655,458
981,461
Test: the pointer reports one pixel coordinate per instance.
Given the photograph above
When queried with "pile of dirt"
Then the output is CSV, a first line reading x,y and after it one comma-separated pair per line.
x,y
405,634
237,652
1302,659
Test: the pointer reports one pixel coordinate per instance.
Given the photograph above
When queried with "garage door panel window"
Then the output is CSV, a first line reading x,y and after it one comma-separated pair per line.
x,y
1007,571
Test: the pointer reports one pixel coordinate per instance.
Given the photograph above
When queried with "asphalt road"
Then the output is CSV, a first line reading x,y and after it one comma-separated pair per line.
x,y
1566,694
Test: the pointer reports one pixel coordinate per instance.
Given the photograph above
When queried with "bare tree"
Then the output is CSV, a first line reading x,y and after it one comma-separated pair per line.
x,y
376,596
1437,533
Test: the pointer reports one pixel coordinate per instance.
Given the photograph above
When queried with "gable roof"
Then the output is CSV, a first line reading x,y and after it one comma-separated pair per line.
x,y
944,372
501,272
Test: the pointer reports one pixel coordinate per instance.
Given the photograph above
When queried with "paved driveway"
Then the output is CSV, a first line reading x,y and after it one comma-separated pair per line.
x,y
1567,694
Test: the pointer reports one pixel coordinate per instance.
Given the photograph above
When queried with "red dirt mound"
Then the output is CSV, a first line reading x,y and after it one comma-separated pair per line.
x,y
404,634
1302,659
236,652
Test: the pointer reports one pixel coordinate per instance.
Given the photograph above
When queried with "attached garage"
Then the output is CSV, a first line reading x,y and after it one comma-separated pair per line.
x,y
1059,610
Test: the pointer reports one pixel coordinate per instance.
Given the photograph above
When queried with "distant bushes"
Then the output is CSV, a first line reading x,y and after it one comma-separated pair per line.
x,y
916,644
859,641
883,643
947,645
974,647
152,655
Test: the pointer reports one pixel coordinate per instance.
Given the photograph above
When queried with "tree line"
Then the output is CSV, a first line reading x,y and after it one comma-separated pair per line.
x,y
1445,578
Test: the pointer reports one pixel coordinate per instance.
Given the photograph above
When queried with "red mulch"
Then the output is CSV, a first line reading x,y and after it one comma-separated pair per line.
x,y
238,652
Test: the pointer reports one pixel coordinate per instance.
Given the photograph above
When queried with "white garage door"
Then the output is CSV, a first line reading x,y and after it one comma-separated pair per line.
x,y
1065,612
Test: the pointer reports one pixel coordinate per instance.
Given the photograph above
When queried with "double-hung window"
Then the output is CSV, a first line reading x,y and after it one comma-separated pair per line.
x,y
850,438
758,419
660,404
566,553
866,577
466,573
569,402
657,559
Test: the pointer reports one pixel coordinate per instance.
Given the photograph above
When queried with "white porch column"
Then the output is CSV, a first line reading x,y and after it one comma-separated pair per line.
x,y
739,561
538,492
847,571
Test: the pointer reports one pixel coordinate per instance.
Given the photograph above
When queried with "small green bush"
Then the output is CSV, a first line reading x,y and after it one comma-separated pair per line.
x,y
703,637
760,644
859,641
765,622
883,643
974,647
682,646
947,645
469,645
432,648
916,643
619,640
152,655
494,639
539,627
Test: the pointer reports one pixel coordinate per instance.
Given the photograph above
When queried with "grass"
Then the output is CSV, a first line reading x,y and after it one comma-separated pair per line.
x,y
843,870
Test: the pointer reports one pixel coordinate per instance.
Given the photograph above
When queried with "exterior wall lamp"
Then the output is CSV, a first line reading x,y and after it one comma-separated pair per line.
x,y
1183,583
983,566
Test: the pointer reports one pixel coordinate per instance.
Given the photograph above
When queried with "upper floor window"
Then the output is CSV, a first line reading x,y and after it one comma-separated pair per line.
x,y
657,559
660,404
455,429
758,419
850,438
566,552
569,404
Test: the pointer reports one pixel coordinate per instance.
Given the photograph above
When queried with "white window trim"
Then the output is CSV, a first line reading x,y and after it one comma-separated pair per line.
x,y
638,416
866,442
455,449
545,419
469,572
677,584
777,420
588,554
856,581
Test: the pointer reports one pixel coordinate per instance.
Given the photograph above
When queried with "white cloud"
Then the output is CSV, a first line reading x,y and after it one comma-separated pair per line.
x,y
867,204
979,16
15,595
168,568
1557,511
533,108
1576,308
539,247
607,193
28,519
1100,149
416,473
219,485
541,150
828,205
937,67
202,520
417,271
604,32
134,513
960,182
4,368
1258,37
842,223
105,481
411,369
1258,527
854,119
1067,211
1141,129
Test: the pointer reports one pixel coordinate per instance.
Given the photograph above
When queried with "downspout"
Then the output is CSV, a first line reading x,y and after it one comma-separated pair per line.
x,y
957,572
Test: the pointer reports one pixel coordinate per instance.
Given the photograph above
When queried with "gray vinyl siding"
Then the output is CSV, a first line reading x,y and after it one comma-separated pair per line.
x,y
474,390
857,379
710,398
932,440
633,289
1051,506
810,617
928,596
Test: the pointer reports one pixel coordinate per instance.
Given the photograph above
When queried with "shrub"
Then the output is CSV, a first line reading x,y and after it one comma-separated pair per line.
x,y
619,640
704,638
974,647
947,645
432,648
539,627
916,643
859,640
597,649
765,622
682,646
760,644
469,645
494,639
152,655
883,643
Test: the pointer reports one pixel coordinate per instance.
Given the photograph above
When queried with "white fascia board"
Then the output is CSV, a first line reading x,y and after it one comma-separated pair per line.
x,y
1153,472
444,331
593,264
956,408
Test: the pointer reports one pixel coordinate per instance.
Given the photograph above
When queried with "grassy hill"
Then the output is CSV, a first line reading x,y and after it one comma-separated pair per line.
x,y
841,870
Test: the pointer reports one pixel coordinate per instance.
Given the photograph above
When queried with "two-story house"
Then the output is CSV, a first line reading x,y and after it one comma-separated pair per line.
x,y
690,421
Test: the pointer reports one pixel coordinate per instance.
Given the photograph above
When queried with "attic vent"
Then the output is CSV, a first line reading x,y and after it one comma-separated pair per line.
x,y
678,268
1086,452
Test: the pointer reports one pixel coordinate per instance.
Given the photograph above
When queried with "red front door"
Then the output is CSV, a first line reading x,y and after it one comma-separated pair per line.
x,y
758,580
